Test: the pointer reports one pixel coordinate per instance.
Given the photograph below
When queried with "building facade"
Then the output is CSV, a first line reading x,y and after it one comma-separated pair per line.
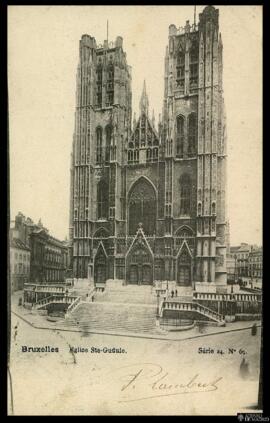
x,y
148,203
255,263
48,256
19,255
241,255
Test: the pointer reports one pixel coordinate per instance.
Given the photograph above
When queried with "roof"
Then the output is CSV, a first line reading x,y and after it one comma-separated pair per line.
x,y
17,243
234,249
256,251
244,248
240,248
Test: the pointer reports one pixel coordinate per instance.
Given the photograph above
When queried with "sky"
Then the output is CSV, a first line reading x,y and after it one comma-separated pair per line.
x,y
43,52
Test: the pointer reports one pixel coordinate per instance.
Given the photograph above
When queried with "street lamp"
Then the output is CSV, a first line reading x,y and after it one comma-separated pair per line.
x,y
157,304
235,269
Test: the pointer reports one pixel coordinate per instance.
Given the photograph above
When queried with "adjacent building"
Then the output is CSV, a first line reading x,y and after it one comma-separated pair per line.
x,y
47,256
148,203
255,263
19,255
245,265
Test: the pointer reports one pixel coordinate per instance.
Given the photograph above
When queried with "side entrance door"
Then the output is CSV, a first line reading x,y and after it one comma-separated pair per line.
x,y
146,274
184,275
133,274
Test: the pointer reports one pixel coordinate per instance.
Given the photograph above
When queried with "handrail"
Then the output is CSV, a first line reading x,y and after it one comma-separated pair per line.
x,y
192,306
44,300
55,299
73,305
209,309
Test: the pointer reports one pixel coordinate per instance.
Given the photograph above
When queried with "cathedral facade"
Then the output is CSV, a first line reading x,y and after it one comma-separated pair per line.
x,y
147,201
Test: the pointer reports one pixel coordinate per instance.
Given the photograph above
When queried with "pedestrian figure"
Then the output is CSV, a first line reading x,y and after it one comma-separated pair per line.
x,y
176,292
244,370
200,327
254,330
172,293
15,332
92,298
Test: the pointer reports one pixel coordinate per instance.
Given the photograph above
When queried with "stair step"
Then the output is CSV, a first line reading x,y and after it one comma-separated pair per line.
x,y
109,316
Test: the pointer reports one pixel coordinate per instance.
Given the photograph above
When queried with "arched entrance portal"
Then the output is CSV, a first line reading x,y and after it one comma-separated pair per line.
x,y
140,266
100,265
142,207
184,269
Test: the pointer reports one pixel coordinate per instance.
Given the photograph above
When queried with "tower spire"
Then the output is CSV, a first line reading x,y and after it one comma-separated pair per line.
x,y
144,103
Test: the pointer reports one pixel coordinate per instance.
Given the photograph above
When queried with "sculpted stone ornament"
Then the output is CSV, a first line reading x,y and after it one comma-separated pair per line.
x,y
98,174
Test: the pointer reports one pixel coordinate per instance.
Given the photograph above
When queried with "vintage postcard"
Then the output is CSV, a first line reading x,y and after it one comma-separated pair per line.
x,y
135,247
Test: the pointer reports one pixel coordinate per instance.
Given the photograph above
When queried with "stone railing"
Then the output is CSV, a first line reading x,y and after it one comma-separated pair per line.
x,y
44,302
44,288
53,299
195,307
73,305
227,297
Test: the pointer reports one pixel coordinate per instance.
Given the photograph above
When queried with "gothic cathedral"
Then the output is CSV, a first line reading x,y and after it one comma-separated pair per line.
x,y
147,202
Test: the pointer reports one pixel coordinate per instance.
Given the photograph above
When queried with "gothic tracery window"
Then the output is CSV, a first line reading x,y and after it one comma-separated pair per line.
x,y
99,145
192,134
110,86
142,207
193,64
102,200
180,136
180,70
108,142
185,195
99,86
184,233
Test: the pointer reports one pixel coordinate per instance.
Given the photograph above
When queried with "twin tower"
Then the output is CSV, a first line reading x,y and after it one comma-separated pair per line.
x,y
147,203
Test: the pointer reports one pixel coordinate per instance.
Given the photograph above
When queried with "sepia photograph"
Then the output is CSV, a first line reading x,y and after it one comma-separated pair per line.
x,y
135,251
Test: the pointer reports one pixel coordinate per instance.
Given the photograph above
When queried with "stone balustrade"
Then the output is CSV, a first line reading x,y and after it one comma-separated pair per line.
x,y
192,306
72,306
45,288
227,297
53,299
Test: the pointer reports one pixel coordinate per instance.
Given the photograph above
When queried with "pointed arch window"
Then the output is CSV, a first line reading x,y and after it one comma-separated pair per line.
x,y
108,142
185,195
193,64
142,207
99,86
184,233
180,122
192,134
110,85
99,145
102,200
180,70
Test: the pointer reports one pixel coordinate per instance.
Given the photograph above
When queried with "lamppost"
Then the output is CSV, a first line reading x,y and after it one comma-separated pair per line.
x,y
235,268
158,304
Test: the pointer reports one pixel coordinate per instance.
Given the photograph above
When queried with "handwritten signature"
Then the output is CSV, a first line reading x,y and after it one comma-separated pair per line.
x,y
147,380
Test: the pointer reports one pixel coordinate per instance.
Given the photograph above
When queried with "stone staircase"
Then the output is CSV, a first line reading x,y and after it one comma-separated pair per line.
x,y
113,317
128,294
